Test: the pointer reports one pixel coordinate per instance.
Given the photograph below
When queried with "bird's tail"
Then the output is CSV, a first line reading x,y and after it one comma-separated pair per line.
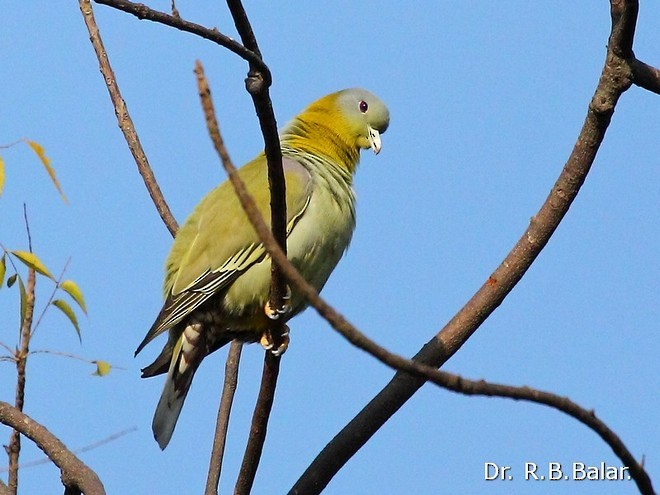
x,y
186,357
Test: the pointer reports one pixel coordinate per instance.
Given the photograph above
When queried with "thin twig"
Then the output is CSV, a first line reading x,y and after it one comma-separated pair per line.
x,y
74,473
20,356
222,423
259,425
58,281
73,356
143,12
124,119
86,448
27,227
233,358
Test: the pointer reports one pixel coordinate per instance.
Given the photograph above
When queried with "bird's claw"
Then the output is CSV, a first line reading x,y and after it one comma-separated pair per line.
x,y
268,342
276,313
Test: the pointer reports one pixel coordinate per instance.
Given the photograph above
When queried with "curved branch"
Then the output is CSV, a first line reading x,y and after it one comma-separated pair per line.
x,y
422,372
124,120
616,78
144,12
565,405
76,475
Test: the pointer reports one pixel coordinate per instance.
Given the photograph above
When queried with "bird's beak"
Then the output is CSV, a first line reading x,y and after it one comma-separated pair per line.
x,y
374,139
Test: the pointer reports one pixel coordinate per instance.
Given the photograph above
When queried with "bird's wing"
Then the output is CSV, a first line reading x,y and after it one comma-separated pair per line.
x,y
217,242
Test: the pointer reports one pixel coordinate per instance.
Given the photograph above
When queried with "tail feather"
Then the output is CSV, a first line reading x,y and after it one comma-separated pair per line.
x,y
186,357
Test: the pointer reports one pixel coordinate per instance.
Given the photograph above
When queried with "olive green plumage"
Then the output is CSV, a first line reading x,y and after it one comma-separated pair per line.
x,y
218,272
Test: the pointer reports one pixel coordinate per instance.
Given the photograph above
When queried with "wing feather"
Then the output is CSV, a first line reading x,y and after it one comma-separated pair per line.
x,y
214,246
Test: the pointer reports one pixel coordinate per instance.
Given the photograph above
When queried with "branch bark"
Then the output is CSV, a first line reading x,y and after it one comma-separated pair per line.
x,y
20,356
259,425
76,476
222,423
124,119
141,11
270,372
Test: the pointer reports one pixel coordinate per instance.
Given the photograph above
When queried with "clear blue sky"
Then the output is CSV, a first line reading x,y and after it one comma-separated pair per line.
x,y
486,101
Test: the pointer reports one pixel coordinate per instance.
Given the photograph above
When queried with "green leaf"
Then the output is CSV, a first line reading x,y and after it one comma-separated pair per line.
x,y
102,368
3,269
2,176
64,307
12,280
32,261
23,300
71,288
41,153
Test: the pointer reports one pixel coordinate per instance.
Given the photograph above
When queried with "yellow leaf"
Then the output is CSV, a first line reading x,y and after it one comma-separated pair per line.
x,y
32,261
71,288
41,153
21,287
3,269
102,368
66,309
2,175
12,280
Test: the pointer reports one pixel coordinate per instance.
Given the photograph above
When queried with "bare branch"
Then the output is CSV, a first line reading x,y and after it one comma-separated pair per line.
x,y
45,460
222,423
645,76
124,119
614,80
75,474
257,84
259,425
143,12
21,355
565,405
441,378
271,363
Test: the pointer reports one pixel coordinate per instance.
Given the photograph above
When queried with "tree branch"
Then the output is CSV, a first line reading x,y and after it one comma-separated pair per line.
x,y
76,475
271,363
222,423
645,76
144,12
615,79
20,357
257,84
444,379
124,119
259,425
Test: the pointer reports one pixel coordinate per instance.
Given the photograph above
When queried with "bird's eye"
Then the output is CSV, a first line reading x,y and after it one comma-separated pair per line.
x,y
363,106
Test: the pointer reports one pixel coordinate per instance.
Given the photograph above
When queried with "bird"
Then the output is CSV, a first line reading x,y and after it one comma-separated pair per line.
x,y
217,274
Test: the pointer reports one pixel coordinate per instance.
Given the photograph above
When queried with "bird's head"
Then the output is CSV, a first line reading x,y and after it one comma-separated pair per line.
x,y
339,125
362,116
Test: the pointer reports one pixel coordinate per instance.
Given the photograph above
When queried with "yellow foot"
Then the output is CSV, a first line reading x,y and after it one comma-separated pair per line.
x,y
268,342
275,314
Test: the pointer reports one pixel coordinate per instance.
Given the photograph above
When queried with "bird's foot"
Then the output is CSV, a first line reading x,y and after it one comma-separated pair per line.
x,y
277,346
276,313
